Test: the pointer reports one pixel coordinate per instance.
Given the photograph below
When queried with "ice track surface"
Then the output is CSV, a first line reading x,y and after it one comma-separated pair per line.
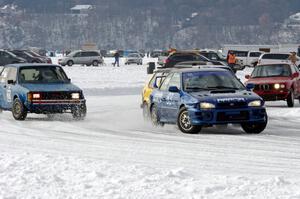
x,y
115,154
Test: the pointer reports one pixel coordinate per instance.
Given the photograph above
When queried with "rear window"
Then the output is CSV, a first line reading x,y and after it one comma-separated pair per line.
x,y
276,56
241,53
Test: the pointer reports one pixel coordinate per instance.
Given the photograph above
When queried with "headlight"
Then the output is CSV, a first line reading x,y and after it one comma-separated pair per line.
x,y
205,105
255,103
75,96
278,86
36,96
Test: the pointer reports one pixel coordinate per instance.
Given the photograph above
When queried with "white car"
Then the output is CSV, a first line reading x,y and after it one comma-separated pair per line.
x,y
246,58
275,58
134,58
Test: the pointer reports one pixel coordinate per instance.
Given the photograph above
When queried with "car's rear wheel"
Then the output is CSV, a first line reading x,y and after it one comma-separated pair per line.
x,y
19,110
70,63
255,128
95,63
290,99
154,116
79,112
184,122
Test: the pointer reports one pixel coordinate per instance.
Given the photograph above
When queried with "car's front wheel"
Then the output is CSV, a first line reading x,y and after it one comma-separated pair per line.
x,y
255,128
19,110
79,112
95,63
184,122
70,63
290,99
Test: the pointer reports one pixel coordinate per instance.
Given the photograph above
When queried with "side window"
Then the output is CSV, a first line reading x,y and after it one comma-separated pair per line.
x,y
213,56
12,74
152,81
175,81
4,75
94,54
78,54
85,54
165,83
255,54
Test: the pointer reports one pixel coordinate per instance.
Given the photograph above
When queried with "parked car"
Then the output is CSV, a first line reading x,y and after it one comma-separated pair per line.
x,y
192,58
40,89
246,58
44,58
82,57
196,98
275,58
134,58
276,82
7,57
28,57
213,55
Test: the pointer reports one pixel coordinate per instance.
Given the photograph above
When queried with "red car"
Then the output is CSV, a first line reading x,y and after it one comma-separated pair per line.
x,y
276,82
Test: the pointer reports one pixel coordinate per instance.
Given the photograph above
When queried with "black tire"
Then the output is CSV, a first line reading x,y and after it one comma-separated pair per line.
x,y
95,63
79,112
1,110
154,117
19,110
184,123
290,99
255,128
70,63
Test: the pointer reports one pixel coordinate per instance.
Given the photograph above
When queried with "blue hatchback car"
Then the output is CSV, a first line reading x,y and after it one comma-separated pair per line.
x,y
41,89
196,98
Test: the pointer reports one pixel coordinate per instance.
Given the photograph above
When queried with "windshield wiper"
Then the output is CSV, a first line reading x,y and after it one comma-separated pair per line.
x,y
195,88
223,87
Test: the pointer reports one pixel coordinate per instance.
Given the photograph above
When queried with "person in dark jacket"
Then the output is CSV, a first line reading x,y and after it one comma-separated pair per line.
x,y
117,59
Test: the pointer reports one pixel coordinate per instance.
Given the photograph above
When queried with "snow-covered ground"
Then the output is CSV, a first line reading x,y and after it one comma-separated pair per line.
x,y
115,154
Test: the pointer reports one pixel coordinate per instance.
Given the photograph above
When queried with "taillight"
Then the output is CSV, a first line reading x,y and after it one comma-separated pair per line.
x,y
166,61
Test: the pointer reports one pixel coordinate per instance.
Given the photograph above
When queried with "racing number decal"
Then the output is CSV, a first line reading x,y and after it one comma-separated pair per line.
x,y
8,95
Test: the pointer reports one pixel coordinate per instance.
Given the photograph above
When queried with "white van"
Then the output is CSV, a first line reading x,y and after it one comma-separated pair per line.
x,y
246,58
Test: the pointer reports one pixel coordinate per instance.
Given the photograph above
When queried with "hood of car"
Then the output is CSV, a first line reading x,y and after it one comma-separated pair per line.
x,y
268,80
219,96
51,87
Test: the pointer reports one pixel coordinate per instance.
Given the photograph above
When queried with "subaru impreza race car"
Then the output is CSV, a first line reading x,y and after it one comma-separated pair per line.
x,y
196,98
41,89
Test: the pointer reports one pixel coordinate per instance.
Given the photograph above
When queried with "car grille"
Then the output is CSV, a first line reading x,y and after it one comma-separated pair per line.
x,y
263,87
56,95
227,105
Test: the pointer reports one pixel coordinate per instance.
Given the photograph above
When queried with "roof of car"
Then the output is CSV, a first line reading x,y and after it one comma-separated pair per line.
x,y
207,68
30,64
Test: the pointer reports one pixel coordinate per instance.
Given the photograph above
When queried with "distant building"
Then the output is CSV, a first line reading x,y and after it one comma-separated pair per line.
x,y
81,9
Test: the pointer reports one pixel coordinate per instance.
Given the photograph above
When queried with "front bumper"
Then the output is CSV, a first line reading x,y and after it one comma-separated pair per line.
x,y
273,95
227,116
53,106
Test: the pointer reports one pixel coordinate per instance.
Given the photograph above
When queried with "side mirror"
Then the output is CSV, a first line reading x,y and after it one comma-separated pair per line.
x,y
247,76
250,86
10,81
295,75
173,89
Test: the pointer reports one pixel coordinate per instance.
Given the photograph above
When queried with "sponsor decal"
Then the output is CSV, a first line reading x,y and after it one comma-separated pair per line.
x,y
233,99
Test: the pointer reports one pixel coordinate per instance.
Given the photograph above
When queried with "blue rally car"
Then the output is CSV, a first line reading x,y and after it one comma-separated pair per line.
x,y
196,98
41,89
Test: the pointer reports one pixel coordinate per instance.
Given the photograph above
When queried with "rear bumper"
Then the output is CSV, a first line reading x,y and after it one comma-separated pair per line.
x,y
227,116
54,106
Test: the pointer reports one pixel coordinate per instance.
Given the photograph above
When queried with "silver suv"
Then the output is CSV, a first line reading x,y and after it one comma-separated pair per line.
x,y
82,57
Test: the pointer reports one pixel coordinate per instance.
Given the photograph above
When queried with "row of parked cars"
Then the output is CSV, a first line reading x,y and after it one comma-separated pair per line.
x,y
21,56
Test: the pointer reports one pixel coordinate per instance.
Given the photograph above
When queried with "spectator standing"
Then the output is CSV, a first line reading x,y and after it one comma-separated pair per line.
x,y
231,60
293,58
117,59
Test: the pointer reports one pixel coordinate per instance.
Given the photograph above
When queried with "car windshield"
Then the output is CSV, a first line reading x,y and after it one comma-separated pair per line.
x,y
42,74
280,70
133,55
214,80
